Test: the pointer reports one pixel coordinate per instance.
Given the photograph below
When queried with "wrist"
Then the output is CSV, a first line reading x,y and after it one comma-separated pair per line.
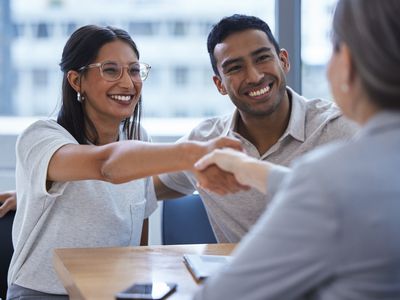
x,y
191,152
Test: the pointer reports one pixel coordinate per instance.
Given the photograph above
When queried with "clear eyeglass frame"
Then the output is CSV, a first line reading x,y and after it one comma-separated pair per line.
x,y
144,70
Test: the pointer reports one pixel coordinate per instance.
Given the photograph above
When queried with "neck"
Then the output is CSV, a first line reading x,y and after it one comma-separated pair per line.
x,y
106,133
264,131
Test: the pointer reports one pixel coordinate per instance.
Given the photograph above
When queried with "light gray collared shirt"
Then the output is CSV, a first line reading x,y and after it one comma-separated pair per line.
x,y
312,123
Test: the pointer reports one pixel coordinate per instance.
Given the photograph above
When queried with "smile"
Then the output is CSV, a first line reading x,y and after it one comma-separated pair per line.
x,y
123,98
260,92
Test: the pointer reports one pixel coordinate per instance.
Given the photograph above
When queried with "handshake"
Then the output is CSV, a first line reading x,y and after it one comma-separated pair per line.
x,y
228,169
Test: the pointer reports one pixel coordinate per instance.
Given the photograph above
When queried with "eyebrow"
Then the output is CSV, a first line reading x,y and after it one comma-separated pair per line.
x,y
239,59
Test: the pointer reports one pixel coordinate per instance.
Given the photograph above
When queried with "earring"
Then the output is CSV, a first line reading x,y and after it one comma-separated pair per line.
x,y
344,87
80,97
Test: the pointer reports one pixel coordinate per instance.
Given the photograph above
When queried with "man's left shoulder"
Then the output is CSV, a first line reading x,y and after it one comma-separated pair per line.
x,y
327,116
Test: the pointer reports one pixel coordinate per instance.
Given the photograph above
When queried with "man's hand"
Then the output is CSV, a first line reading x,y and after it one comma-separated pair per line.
x,y
8,201
218,181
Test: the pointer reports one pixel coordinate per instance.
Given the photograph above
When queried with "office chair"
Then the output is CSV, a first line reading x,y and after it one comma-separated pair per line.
x,y
185,221
6,250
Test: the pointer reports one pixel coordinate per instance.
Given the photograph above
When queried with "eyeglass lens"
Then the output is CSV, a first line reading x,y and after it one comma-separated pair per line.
x,y
112,71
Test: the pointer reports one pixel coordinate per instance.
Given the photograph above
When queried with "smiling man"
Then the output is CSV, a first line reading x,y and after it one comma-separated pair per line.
x,y
272,121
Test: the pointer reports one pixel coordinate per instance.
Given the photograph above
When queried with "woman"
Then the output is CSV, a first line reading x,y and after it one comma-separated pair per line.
x,y
67,169
332,231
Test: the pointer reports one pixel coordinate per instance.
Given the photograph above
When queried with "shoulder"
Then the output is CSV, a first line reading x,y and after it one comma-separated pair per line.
x,y
329,162
210,128
325,116
44,129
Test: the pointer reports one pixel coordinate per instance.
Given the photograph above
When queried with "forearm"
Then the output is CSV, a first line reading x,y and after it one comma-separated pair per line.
x,y
131,160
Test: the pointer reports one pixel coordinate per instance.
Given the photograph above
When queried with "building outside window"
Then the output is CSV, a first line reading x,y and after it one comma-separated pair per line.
x,y
316,46
38,30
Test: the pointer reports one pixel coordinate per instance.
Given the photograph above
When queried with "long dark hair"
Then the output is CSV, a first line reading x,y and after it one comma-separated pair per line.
x,y
371,29
80,50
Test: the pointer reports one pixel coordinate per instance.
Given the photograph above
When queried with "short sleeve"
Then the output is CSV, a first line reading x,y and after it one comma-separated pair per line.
x,y
34,149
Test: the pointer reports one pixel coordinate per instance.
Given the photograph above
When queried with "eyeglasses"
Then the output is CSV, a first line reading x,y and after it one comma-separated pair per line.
x,y
112,71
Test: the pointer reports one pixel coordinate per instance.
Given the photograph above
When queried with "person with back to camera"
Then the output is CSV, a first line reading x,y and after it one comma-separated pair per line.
x,y
332,230
67,170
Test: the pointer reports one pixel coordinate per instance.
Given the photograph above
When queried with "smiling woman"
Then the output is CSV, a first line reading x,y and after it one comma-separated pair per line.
x,y
66,169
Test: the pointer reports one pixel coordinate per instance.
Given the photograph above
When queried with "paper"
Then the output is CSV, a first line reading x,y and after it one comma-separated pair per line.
x,y
203,266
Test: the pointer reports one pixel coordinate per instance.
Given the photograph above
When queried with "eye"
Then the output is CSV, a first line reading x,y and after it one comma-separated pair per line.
x,y
134,70
233,69
111,69
263,58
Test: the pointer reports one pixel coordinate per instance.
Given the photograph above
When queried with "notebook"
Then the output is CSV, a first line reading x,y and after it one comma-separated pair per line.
x,y
203,266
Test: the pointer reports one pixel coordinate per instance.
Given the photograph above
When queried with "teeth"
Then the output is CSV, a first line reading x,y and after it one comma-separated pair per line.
x,y
259,92
121,97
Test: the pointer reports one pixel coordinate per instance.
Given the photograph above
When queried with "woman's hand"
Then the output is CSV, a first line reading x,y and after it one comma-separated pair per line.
x,y
8,201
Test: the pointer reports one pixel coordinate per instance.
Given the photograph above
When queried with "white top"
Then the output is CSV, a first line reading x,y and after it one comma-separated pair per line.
x,y
85,213
312,123
332,230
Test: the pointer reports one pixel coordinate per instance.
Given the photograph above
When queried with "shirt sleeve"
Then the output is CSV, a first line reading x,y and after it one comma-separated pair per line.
x,y
34,149
289,250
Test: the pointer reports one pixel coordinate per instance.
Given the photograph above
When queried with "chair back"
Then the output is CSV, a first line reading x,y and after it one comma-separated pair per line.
x,y
185,221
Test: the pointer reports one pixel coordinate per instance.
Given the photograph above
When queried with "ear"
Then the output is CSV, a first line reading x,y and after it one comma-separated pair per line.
x,y
345,59
285,61
219,85
74,79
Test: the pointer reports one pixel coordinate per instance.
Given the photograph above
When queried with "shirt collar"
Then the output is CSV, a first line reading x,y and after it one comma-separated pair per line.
x,y
232,124
297,120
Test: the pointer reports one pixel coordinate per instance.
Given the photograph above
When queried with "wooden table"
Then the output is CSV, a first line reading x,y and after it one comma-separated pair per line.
x,y
99,273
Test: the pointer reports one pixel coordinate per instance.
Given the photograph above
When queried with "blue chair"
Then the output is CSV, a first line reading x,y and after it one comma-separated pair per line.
x,y
185,221
6,250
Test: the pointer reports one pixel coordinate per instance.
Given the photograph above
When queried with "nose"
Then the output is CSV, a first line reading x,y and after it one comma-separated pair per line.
x,y
253,75
126,80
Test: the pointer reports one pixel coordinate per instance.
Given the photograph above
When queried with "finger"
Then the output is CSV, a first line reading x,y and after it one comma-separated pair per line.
x,y
230,143
6,207
205,161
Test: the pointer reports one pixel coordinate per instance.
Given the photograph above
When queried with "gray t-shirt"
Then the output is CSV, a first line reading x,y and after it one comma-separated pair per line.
x,y
312,123
85,213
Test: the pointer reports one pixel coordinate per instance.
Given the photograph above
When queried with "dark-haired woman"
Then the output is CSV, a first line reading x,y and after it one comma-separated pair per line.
x,y
67,170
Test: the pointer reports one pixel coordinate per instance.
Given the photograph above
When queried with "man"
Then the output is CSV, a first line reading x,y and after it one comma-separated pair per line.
x,y
272,121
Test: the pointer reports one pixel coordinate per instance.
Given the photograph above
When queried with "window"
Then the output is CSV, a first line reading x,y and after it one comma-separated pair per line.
x,y
171,36
42,30
142,28
39,78
181,76
178,28
316,46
